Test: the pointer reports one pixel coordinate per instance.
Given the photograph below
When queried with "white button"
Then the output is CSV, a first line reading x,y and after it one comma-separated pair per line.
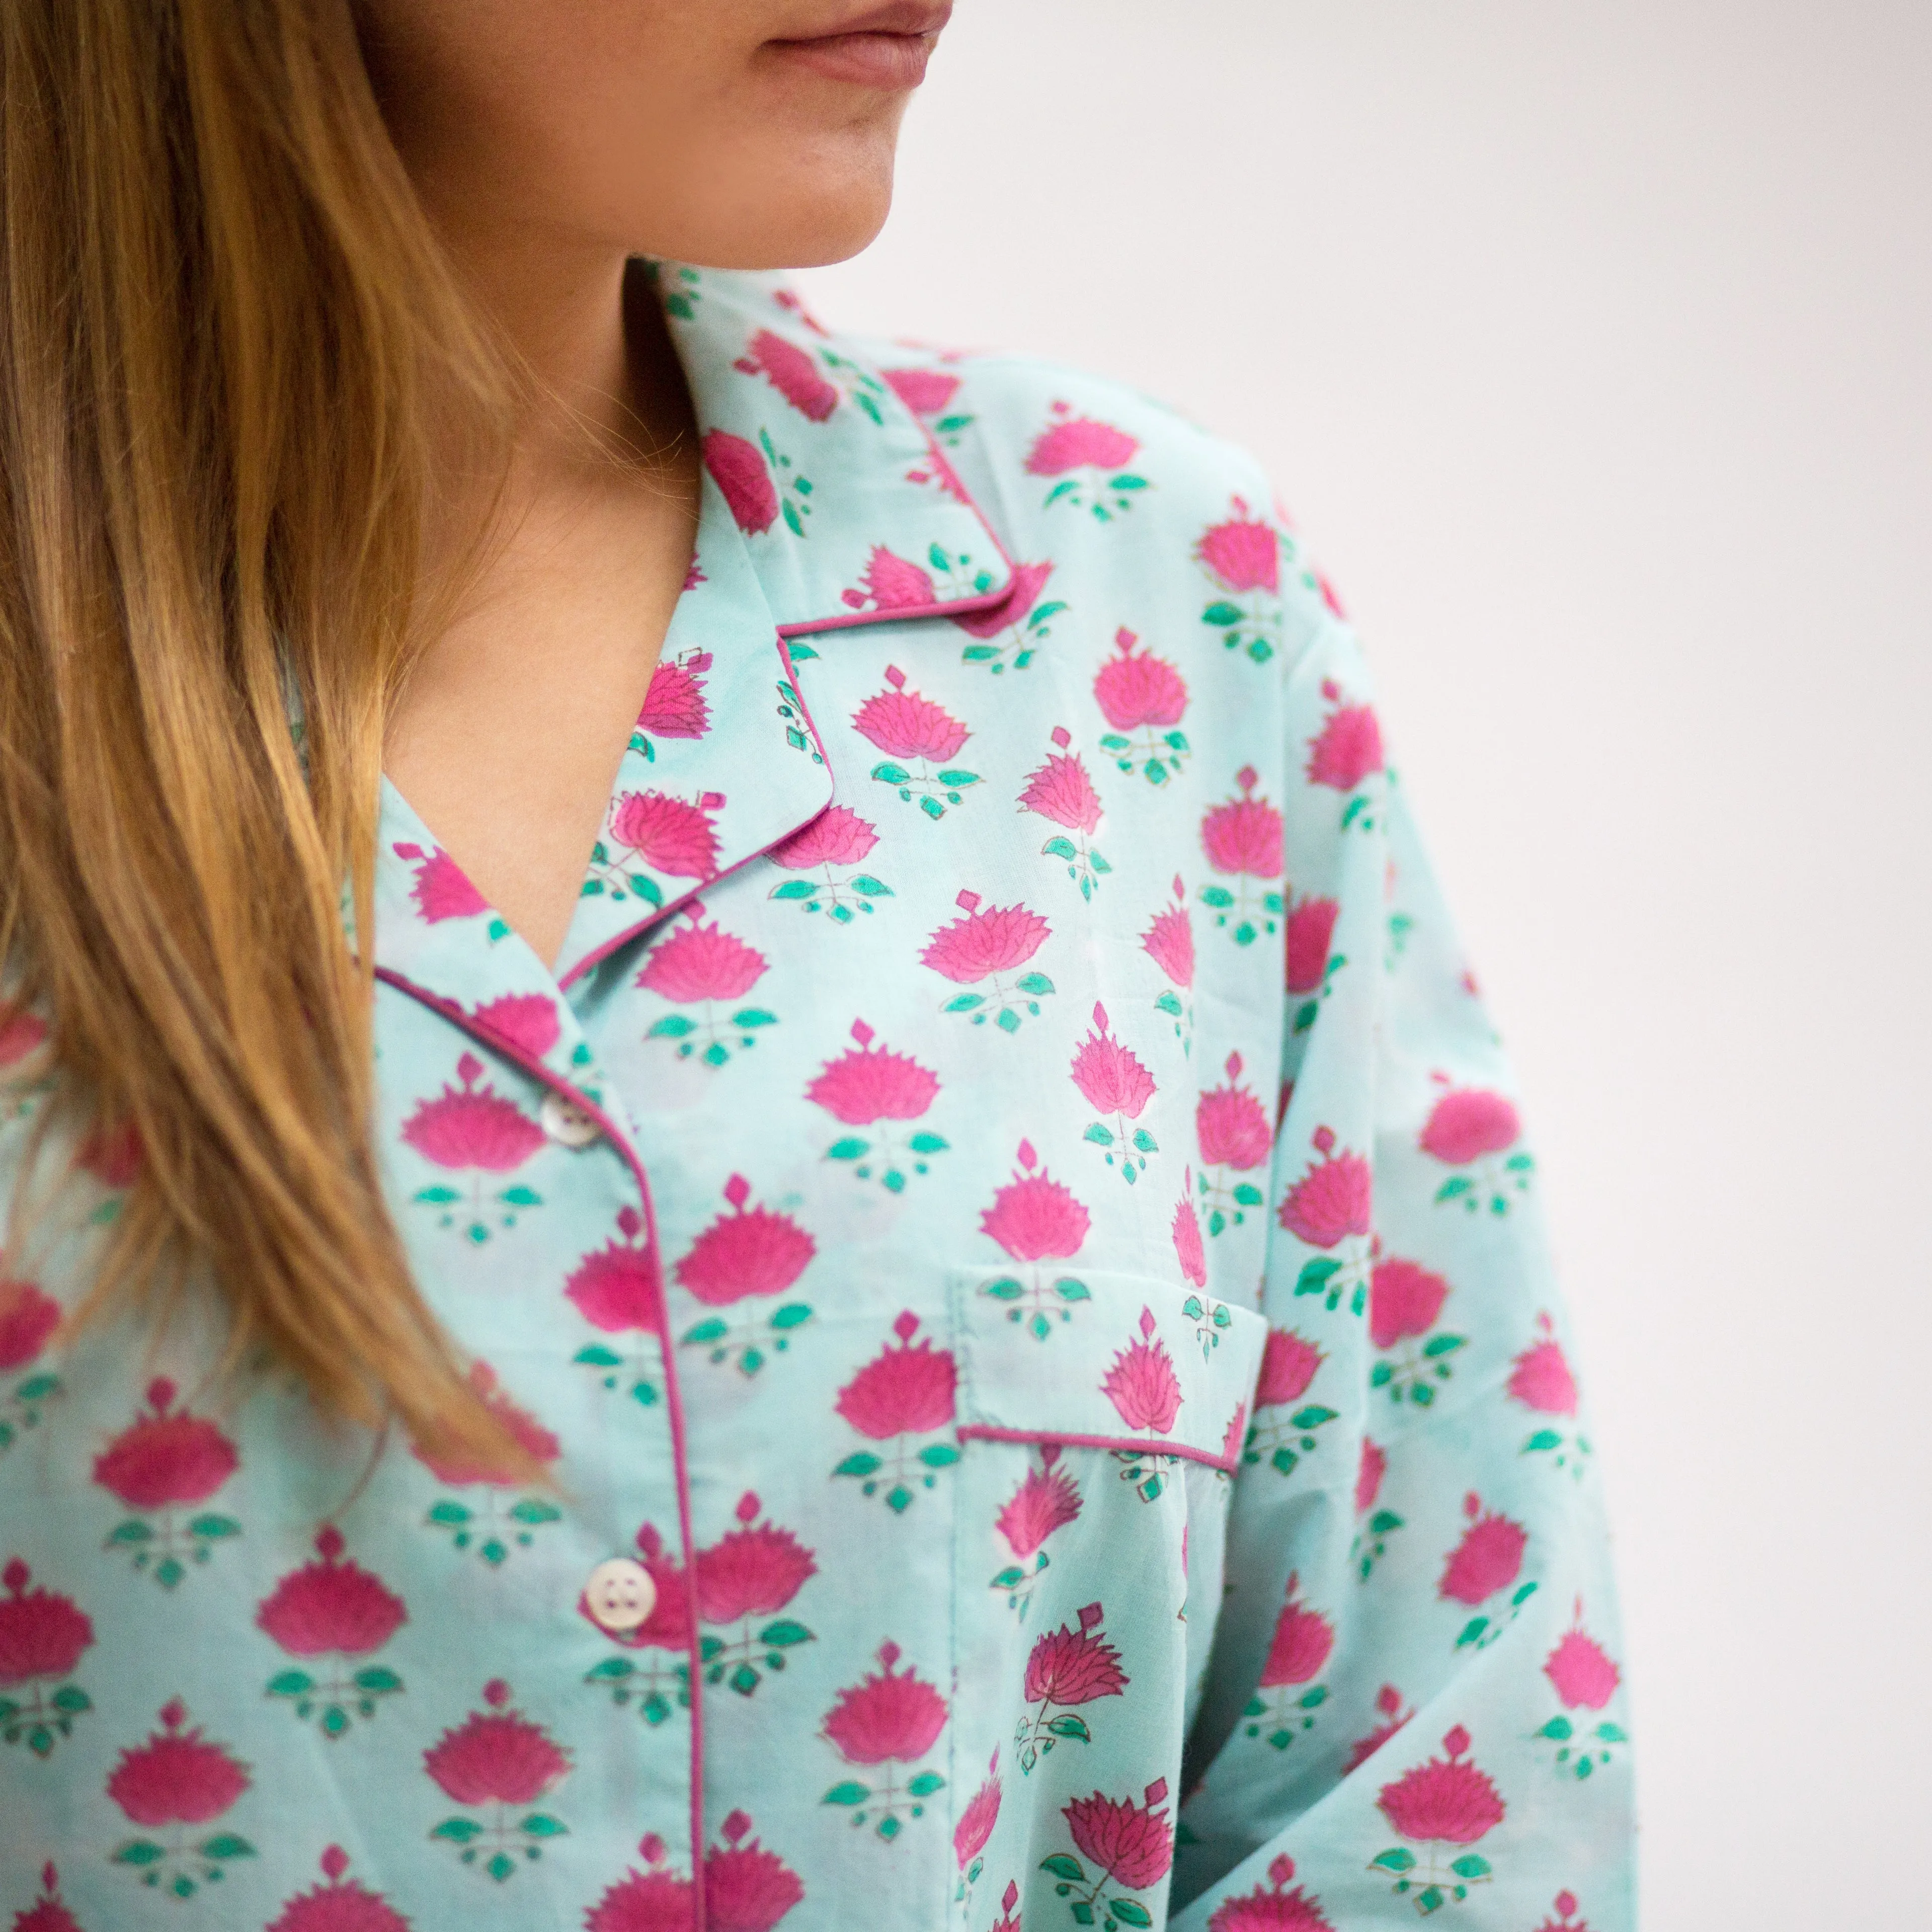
x,y
567,1123
620,1595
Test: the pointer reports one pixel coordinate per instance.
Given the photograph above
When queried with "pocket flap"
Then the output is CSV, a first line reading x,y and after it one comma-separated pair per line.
x,y
1108,1361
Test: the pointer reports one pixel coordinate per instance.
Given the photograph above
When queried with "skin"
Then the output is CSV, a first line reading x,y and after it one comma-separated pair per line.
x,y
549,143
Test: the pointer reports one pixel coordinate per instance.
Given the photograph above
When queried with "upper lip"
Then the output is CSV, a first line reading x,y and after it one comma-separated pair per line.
x,y
913,18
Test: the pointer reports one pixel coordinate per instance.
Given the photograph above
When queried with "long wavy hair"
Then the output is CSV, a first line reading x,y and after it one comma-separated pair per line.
x,y
230,351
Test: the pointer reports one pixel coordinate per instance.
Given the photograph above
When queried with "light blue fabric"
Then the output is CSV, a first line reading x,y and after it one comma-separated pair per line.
x,y
925,1224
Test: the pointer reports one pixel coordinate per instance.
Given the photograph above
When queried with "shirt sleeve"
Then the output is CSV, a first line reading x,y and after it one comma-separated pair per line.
x,y
1415,1701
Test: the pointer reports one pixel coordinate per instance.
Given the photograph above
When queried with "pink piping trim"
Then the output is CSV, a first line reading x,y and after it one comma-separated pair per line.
x,y
674,1396
1227,1465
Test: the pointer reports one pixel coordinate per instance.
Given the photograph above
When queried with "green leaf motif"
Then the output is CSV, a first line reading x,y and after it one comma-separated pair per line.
x,y
964,1003
291,1684
448,1515
926,1783
1068,1289
541,1824
596,1356
888,773
849,1792
868,887
938,1455
226,1845
864,1463
1035,983
1070,1727
748,1017
927,1143
714,1328
533,1509
521,1197
1438,1345
1219,897
1005,1289
376,1680
139,1851
1558,1729
1101,1136
438,1197
1312,1417
1130,1912
957,781
1061,848
458,1831
1396,1859
780,1635
1316,1275
672,1026
795,889
1543,1438
1470,1866
1063,1865
791,1315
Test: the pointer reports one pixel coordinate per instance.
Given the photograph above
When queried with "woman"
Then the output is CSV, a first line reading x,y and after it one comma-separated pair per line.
x,y
832,1363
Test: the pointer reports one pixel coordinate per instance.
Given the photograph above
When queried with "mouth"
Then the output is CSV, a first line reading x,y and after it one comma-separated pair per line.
x,y
886,48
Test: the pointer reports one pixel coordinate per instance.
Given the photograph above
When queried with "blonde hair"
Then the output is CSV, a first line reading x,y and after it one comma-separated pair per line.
x,y
228,343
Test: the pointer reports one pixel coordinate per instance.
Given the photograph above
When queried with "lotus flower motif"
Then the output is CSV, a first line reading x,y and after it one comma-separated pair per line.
x,y
1488,1558
1272,1908
1303,1641
753,1571
1034,1217
837,836
496,1756
890,1717
672,835
701,962
27,1317
331,1606
1464,1125
1078,443
1047,1499
1404,1301
1245,835
472,1126
1447,1799
675,705
1133,1843
1241,554
738,468
1141,1384
746,1252
791,372
1288,1363
42,1633
1349,747
1137,688
903,1390
165,1457
337,1906
746,1888
994,940
176,1778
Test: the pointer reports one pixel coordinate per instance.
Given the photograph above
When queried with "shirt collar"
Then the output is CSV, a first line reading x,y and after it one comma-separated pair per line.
x,y
826,504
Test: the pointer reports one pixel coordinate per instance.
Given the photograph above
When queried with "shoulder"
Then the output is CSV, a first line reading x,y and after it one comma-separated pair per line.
x,y
1084,470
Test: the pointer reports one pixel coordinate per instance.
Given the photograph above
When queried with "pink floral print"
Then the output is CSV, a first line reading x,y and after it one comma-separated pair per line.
x,y
1002,1242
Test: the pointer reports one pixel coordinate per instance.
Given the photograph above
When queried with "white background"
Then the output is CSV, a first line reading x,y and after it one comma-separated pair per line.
x,y
1591,347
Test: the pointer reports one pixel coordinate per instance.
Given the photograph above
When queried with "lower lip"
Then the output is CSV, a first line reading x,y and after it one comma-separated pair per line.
x,y
892,62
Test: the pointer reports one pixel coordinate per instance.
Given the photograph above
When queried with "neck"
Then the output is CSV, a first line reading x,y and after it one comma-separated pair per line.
x,y
602,377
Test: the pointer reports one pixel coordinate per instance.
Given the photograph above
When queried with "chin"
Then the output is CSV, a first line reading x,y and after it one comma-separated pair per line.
x,y
797,217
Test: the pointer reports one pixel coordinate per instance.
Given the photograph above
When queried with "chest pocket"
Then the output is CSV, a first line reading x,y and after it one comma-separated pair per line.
x,y
1119,1362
